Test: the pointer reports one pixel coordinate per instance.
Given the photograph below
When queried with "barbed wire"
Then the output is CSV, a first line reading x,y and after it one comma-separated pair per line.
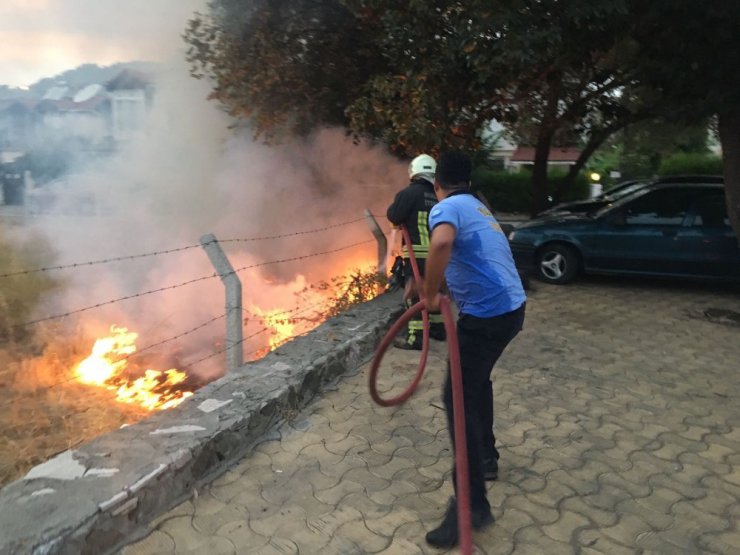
x,y
183,284
176,337
293,259
105,303
139,351
96,262
187,366
249,239
170,251
296,311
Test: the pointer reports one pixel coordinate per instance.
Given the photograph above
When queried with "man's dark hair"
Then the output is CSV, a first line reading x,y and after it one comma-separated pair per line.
x,y
454,169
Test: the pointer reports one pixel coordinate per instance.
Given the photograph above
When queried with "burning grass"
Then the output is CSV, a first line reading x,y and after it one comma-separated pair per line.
x,y
62,388
44,410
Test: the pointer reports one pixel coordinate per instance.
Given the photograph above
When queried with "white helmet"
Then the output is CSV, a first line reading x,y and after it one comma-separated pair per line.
x,y
423,164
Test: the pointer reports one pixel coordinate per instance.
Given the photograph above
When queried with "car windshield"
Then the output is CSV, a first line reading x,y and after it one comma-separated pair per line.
x,y
623,191
603,209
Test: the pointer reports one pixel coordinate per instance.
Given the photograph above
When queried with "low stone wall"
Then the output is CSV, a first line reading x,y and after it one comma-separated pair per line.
x,y
90,500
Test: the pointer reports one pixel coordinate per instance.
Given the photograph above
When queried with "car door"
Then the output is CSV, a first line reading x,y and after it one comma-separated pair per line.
x,y
641,234
708,245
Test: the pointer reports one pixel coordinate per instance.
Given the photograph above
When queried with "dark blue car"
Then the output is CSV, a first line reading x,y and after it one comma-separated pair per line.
x,y
670,227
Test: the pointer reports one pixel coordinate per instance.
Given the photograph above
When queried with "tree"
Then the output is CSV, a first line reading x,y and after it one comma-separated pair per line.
x,y
645,145
419,75
428,75
548,66
286,66
687,55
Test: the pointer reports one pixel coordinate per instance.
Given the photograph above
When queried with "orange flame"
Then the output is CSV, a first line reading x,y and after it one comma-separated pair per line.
x,y
155,390
280,325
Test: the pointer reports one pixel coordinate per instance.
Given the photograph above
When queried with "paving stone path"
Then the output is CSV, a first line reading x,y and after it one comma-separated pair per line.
x,y
618,420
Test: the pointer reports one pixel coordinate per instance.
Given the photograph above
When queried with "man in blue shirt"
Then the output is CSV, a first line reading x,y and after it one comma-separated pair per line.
x,y
470,250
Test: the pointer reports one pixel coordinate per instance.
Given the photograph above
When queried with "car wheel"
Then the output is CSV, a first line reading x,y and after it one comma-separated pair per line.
x,y
557,263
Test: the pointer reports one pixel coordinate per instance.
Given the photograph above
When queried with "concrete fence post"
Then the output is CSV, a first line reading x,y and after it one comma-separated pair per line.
x,y
382,244
233,286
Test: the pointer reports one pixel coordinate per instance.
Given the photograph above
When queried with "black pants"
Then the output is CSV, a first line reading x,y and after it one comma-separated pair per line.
x,y
482,341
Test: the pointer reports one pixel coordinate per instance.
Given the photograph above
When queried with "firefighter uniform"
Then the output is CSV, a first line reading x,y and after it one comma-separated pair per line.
x,y
411,209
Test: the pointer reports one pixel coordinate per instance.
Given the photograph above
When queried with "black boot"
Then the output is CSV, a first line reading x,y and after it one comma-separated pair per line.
x,y
438,332
446,535
490,469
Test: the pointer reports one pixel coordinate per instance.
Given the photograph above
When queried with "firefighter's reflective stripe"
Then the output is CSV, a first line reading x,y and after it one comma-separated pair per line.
x,y
419,251
415,332
422,222
436,318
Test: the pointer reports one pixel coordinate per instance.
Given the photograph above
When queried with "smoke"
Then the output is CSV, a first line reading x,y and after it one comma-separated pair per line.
x,y
190,174
45,37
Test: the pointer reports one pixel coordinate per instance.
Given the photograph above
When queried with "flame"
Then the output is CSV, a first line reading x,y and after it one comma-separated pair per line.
x,y
315,304
280,324
105,367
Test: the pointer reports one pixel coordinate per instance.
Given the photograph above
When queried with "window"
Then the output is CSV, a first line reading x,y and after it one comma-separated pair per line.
x,y
711,211
665,207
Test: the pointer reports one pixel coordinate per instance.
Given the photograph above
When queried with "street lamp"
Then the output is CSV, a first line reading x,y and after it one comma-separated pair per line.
x,y
595,185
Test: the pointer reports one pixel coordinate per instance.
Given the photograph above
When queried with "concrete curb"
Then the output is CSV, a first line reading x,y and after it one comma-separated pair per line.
x,y
94,499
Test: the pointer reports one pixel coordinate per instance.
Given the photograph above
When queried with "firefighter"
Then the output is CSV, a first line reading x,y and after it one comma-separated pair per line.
x,y
411,209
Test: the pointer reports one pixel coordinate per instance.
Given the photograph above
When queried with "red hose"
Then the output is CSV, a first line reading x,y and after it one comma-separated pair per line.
x,y
461,451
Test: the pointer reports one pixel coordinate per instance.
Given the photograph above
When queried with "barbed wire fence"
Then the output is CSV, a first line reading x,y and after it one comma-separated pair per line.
x,y
233,345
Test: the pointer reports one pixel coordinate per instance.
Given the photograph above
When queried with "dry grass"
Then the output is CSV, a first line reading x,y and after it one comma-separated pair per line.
x,y
42,412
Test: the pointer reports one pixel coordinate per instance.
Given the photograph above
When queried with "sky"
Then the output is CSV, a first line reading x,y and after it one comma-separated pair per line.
x,y
41,38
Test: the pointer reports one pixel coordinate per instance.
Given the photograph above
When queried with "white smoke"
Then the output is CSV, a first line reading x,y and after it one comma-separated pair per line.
x,y
190,174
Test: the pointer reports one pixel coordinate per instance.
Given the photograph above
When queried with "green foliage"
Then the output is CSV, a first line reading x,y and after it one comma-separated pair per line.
x,y
691,164
20,294
578,190
505,192
284,66
512,191
416,75
688,54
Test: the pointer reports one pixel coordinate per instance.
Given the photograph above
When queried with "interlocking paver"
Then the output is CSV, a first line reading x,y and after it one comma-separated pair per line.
x,y
617,425
594,542
532,539
156,542
542,514
210,522
724,542
240,533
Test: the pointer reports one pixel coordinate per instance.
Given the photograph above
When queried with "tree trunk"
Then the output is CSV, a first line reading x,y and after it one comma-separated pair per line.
x,y
539,172
545,135
729,136
594,143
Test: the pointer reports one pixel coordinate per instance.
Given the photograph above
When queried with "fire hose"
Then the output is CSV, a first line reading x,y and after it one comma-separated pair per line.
x,y
461,450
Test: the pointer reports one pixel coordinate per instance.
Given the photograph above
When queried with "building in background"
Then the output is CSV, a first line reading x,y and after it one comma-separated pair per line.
x,y
76,123
130,94
563,158
505,154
